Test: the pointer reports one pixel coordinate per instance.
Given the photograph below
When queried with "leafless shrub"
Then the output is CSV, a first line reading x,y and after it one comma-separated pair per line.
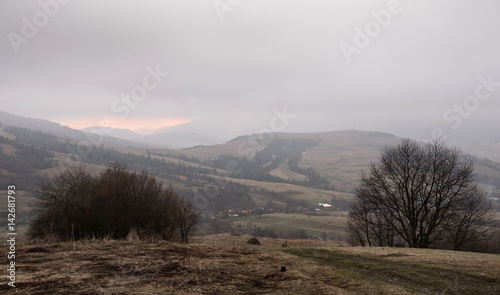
x,y
117,204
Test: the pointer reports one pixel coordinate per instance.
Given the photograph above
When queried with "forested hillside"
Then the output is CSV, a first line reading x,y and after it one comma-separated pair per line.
x,y
256,174
28,156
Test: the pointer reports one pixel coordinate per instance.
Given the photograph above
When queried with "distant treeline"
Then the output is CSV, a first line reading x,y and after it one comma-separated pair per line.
x,y
24,163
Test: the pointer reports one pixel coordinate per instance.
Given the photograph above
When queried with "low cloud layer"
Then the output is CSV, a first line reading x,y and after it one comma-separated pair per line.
x,y
394,66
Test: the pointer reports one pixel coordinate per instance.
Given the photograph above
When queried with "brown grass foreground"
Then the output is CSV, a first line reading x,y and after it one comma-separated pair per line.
x,y
227,265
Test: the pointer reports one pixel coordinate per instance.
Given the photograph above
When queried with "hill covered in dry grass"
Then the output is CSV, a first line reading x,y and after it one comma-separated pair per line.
x,y
227,265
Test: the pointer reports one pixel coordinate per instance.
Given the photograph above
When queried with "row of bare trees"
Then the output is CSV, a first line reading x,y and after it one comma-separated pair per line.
x,y
75,204
420,195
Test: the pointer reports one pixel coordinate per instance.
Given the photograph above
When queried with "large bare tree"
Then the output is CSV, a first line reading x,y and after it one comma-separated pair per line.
x,y
419,195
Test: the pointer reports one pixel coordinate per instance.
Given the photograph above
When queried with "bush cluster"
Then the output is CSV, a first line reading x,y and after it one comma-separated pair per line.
x,y
75,204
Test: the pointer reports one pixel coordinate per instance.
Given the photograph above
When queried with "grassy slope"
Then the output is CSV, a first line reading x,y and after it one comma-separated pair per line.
x,y
312,195
313,225
483,150
284,172
341,156
5,134
420,271
227,265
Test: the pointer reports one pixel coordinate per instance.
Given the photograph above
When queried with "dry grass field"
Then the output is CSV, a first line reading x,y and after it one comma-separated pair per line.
x,y
296,192
314,226
284,172
227,265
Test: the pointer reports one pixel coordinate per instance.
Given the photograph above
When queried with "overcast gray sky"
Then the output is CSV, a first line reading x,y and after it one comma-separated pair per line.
x,y
394,66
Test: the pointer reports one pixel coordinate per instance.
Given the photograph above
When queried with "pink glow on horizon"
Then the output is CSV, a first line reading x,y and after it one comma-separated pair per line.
x,y
129,123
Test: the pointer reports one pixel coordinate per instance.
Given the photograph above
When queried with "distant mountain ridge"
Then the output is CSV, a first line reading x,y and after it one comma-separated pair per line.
x,y
280,170
193,133
164,137
112,136
180,136
41,125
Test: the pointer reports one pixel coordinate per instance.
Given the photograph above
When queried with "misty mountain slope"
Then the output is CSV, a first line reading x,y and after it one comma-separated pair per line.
x,y
306,166
283,170
169,137
115,132
485,150
41,125
244,146
179,139
28,156
56,129
252,183
339,156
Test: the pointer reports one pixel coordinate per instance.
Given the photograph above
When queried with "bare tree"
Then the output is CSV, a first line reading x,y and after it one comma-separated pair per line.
x,y
62,202
167,214
187,219
420,195
473,223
